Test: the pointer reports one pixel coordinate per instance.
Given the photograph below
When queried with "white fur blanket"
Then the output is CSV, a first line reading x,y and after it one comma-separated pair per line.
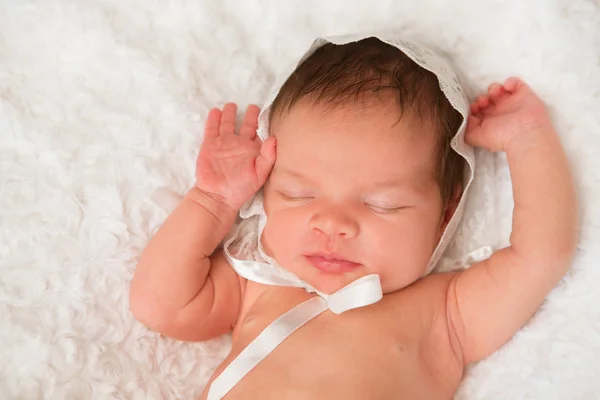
x,y
102,104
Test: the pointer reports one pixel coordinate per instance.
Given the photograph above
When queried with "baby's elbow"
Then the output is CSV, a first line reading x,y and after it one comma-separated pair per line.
x,y
171,324
142,309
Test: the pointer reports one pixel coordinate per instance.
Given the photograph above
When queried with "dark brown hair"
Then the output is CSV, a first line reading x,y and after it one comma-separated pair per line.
x,y
337,74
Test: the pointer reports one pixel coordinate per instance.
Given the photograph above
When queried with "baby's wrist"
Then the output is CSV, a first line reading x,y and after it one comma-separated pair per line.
x,y
213,204
531,135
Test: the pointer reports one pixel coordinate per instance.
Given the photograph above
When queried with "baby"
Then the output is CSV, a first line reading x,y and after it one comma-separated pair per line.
x,y
359,179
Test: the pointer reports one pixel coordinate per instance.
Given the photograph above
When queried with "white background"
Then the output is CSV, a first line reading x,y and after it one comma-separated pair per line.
x,y
102,104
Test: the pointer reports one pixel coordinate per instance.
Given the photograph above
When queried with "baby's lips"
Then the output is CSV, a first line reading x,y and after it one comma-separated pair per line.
x,y
330,256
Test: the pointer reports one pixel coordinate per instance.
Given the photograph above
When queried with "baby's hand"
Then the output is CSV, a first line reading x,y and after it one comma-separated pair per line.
x,y
230,167
508,114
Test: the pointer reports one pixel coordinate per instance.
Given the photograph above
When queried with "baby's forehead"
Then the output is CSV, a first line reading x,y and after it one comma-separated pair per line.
x,y
378,126
312,154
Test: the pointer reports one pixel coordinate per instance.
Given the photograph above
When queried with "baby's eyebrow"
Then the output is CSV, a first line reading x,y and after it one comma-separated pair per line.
x,y
394,181
407,186
389,183
283,171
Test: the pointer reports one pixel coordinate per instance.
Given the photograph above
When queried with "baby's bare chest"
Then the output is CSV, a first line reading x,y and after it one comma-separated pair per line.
x,y
372,352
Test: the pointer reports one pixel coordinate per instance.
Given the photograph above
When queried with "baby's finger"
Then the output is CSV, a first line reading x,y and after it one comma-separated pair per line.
x,y
474,134
227,126
250,123
473,122
211,126
495,90
265,161
512,84
483,101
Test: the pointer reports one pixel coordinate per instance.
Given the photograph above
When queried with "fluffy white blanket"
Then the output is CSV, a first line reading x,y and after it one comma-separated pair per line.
x,y
101,110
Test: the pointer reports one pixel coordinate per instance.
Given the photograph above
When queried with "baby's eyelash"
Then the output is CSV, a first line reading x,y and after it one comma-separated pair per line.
x,y
385,210
295,197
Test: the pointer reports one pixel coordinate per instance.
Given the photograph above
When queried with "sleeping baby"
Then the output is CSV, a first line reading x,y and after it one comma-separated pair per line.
x,y
312,230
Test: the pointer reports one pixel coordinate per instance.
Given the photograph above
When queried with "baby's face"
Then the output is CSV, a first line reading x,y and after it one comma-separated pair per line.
x,y
357,182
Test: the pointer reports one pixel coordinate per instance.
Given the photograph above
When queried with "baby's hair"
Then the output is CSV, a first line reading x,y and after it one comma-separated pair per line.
x,y
335,75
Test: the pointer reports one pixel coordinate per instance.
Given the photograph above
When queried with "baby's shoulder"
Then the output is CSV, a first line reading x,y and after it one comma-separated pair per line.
x,y
424,305
426,302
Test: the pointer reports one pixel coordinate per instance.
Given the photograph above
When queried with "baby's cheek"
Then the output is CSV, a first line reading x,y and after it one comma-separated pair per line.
x,y
278,236
399,257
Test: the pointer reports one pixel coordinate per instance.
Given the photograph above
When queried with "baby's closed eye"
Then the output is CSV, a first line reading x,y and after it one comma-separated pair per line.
x,y
386,203
385,210
379,207
295,195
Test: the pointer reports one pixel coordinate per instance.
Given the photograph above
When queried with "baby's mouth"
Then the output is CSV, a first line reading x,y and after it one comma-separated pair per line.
x,y
331,263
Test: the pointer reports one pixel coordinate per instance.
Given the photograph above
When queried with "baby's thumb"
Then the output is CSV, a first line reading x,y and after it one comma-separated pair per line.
x,y
266,158
474,134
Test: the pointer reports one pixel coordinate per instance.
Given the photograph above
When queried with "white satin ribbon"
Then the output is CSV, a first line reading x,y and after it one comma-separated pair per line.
x,y
360,293
265,343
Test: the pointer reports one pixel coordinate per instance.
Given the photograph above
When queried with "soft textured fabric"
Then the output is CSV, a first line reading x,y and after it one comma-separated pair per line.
x,y
102,105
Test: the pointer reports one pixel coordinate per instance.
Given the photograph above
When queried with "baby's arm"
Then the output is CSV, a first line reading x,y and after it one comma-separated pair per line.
x,y
490,301
180,288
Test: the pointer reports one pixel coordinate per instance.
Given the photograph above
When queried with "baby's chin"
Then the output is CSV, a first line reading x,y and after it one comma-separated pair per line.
x,y
329,283
325,282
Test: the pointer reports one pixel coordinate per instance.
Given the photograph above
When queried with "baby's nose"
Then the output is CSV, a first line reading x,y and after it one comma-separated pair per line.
x,y
334,222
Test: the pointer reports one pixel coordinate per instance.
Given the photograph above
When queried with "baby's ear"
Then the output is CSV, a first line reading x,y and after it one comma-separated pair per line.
x,y
450,208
